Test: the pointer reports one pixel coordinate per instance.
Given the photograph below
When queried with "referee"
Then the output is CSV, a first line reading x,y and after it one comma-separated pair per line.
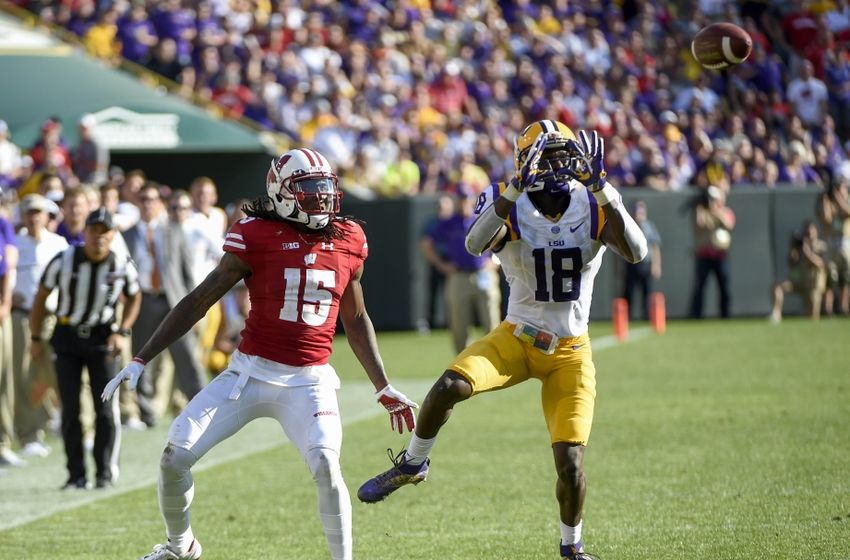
x,y
90,279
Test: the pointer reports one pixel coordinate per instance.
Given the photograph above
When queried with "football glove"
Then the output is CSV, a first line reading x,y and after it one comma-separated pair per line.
x,y
399,407
526,175
588,167
131,371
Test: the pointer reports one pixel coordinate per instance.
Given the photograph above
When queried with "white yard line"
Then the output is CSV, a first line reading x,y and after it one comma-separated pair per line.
x,y
30,493
604,342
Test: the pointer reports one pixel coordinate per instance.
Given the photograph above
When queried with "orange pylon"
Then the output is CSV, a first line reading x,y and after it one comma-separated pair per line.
x,y
657,312
620,318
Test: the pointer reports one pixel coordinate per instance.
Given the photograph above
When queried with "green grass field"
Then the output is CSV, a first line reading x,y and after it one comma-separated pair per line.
x,y
718,440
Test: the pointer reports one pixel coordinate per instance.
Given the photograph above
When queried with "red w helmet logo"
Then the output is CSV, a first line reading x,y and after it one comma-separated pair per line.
x,y
281,162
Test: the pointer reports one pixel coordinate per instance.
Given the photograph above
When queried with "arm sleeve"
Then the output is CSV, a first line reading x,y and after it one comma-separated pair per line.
x,y
610,197
487,223
634,236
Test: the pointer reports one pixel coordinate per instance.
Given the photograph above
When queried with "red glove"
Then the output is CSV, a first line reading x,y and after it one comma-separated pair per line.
x,y
399,407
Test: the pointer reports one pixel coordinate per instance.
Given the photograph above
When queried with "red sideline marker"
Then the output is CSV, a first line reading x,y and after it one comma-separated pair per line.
x,y
657,312
620,318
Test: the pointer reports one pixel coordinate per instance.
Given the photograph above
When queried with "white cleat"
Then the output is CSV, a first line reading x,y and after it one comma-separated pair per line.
x,y
164,552
9,458
35,449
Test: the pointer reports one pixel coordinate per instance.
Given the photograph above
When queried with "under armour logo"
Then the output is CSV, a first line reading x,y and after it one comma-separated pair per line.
x,y
327,246
310,258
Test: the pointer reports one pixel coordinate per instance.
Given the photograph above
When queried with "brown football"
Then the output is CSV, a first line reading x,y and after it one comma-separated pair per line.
x,y
720,45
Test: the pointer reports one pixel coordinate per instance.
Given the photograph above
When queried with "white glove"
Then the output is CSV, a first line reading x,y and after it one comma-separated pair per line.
x,y
131,371
399,407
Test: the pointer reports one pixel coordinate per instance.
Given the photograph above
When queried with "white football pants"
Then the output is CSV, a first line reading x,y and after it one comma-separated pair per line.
x,y
309,415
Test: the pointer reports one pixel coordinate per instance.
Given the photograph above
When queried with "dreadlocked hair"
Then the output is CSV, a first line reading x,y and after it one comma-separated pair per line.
x,y
262,207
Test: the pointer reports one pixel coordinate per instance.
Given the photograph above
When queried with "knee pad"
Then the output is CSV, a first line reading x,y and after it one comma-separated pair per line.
x,y
324,465
176,459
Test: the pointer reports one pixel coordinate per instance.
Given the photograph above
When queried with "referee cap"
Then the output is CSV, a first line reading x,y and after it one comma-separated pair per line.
x,y
101,216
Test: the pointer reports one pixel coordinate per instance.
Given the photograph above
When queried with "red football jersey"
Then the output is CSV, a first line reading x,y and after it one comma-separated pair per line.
x,y
297,282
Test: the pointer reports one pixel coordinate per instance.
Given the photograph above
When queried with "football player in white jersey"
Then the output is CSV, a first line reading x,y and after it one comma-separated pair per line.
x,y
550,226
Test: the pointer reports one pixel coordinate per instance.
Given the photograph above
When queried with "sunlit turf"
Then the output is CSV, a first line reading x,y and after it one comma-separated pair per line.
x,y
718,440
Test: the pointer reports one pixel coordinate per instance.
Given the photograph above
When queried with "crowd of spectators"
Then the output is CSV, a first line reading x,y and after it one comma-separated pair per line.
x,y
408,96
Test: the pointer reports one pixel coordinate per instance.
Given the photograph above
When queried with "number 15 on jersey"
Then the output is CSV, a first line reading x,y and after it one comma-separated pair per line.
x,y
315,305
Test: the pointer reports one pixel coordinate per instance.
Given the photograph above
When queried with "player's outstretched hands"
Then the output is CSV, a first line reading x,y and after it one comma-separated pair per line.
x,y
591,153
131,371
399,407
527,173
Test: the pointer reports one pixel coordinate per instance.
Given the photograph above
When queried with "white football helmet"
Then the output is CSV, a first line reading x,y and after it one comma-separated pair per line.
x,y
303,188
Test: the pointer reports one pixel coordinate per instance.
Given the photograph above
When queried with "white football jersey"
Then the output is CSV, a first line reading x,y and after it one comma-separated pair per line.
x,y
550,266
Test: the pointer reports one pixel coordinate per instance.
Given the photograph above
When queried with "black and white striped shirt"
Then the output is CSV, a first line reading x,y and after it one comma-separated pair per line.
x,y
88,292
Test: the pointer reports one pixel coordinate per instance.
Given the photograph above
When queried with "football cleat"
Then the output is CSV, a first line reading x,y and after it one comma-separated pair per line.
x,y
575,552
164,552
76,484
402,473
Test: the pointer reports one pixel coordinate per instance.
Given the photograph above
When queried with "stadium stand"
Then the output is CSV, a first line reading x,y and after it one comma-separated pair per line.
x,y
416,96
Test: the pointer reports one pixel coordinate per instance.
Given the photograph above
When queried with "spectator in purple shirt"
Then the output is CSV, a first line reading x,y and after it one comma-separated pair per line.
x,y
472,283
797,170
75,209
83,18
210,31
837,74
137,34
173,21
763,70
370,27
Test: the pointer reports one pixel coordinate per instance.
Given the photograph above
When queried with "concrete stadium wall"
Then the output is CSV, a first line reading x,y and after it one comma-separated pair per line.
x,y
178,170
396,274
765,220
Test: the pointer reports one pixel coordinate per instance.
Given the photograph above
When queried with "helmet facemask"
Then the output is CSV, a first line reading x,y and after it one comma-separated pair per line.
x,y
310,197
553,177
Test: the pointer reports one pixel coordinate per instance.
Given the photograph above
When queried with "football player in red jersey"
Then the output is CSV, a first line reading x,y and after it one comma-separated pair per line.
x,y
302,264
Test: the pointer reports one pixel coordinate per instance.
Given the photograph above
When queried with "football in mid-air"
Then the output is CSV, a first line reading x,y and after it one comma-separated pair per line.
x,y
721,45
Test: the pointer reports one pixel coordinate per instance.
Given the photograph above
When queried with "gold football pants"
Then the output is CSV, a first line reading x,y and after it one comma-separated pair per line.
x,y
500,360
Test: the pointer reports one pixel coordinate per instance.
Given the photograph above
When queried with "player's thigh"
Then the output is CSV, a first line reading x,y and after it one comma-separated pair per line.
x,y
569,393
496,361
212,416
310,417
